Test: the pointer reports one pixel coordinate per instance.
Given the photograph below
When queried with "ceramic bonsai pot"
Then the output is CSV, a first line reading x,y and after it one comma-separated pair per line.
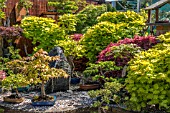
x,y
13,100
21,89
45,103
75,80
89,86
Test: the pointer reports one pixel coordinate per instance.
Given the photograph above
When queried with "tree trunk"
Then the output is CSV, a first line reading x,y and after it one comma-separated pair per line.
x,y
70,61
42,89
17,93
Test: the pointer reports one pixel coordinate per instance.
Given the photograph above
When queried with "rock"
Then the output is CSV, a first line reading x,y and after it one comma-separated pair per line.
x,y
58,84
70,91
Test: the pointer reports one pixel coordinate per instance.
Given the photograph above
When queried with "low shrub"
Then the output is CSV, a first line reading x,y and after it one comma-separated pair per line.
x,y
123,17
88,16
135,22
141,41
42,31
98,37
68,22
148,78
121,55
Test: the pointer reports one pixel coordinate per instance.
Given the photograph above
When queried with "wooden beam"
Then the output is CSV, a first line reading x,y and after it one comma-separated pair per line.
x,y
157,14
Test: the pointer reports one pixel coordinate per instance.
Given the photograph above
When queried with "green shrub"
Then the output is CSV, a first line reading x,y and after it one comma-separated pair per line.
x,y
113,26
98,37
68,22
134,21
72,48
125,17
89,16
111,93
100,69
42,31
2,5
64,6
148,77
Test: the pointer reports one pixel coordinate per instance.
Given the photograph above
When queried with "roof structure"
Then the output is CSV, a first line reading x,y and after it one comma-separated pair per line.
x,y
157,4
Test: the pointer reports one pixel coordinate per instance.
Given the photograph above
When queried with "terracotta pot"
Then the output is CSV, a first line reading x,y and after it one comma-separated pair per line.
x,y
13,100
89,86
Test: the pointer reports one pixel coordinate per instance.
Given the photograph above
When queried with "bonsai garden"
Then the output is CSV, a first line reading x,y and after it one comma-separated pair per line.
x,y
78,56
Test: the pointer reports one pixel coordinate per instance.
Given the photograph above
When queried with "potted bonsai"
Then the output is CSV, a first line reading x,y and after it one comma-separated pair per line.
x,y
16,78
94,74
14,81
39,71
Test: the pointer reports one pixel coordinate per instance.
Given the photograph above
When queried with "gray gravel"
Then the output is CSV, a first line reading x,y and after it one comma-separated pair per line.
x,y
66,101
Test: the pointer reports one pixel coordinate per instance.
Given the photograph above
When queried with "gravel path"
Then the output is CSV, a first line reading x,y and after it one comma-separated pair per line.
x,y
66,101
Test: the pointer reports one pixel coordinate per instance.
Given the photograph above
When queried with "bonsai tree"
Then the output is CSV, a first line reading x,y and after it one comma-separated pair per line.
x,y
14,81
98,71
39,71
16,78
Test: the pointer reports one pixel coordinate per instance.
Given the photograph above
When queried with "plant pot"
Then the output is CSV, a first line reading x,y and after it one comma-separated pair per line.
x,y
13,100
75,80
45,103
21,89
89,86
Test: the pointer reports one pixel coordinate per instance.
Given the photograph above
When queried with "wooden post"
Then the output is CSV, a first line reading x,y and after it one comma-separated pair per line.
x,y
149,16
157,14
138,6
1,46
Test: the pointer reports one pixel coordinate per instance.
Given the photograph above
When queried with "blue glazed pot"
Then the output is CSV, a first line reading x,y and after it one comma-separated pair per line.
x,y
21,89
75,80
46,103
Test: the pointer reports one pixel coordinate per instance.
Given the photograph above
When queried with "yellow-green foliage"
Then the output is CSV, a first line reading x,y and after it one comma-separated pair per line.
x,y
72,48
2,14
68,22
15,81
2,5
88,17
98,37
42,31
149,77
132,18
112,27
64,6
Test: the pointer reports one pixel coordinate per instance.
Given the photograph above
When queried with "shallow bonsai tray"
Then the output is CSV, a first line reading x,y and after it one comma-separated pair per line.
x,y
89,86
46,103
13,100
